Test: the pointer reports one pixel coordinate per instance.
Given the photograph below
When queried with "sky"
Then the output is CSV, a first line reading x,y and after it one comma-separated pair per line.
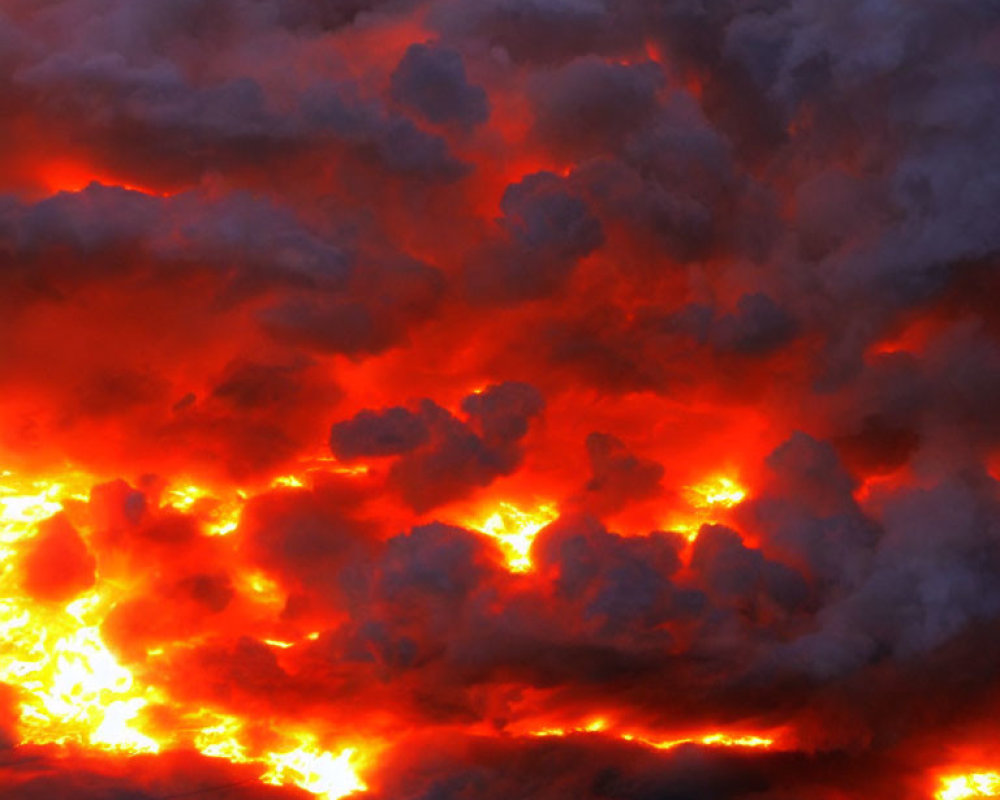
x,y
489,399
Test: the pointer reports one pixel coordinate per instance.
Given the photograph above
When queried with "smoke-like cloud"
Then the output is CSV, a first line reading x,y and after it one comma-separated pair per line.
x,y
504,389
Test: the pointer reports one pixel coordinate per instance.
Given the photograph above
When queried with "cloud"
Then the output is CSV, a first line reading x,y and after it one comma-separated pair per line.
x,y
618,476
462,456
254,257
546,229
432,82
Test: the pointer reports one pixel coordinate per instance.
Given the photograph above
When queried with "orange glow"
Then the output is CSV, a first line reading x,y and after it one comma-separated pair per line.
x,y
653,51
71,176
515,530
912,337
874,486
972,785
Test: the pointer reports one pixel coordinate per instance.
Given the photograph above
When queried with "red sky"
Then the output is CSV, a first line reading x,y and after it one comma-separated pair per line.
x,y
387,383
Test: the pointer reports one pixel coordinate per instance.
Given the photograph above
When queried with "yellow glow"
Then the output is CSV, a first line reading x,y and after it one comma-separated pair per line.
x,y
973,785
326,463
73,690
224,519
736,741
25,503
317,771
717,491
183,498
711,740
329,776
591,727
221,740
116,731
708,740
288,481
705,501
262,589
686,529
356,471
515,530
218,517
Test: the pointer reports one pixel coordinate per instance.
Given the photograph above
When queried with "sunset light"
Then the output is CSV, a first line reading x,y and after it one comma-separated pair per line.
x,y
499,399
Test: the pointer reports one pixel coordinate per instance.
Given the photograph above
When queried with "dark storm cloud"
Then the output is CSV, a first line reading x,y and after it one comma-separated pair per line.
x,y
546,229
532,31
590,107
432,622
333,14
903,91
118,80
810,515
542,214
391,432
502,412
674,180
309,541
431,81
656,348
261,235
383,301
441,457
623,583
757,326
737,575
330,296
396,143
931,576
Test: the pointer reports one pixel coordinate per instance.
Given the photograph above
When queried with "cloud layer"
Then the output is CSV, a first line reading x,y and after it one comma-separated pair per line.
x,y
383,283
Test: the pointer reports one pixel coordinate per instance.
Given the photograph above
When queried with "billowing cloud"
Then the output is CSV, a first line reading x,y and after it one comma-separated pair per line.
x,y
488,398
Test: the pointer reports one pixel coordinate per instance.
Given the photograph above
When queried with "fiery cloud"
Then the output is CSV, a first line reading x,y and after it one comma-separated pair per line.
x,y
481,399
